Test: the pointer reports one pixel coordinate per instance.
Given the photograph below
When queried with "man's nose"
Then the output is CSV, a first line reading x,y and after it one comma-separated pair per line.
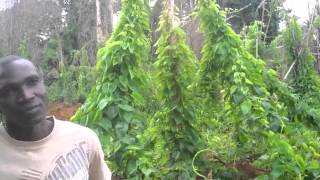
x,y
25,94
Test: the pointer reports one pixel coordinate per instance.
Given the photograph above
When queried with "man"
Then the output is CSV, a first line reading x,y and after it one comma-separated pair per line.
x,y
37,147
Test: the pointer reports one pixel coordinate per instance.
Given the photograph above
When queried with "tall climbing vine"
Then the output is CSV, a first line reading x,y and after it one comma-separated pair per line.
x,y
304,79
246,98
261,130
260,119
114,106
175,70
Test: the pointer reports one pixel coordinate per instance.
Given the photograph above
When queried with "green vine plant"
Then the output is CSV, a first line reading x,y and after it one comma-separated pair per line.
x,y
114,106
297,108
85,73
273,56
264,137
252,39
301,74
174,122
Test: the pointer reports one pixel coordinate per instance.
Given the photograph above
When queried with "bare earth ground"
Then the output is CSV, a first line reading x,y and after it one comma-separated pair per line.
x,y
63,111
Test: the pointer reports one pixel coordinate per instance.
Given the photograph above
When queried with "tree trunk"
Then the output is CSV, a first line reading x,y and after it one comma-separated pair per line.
x,y
99,22
104,19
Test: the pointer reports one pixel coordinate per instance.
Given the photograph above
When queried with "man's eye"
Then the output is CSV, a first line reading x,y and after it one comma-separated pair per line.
x,y
32,82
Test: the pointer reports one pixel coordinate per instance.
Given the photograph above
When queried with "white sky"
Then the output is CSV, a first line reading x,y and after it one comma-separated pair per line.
x,y
300,8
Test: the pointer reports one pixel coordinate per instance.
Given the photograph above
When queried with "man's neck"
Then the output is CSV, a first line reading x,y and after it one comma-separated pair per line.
x,y
32,133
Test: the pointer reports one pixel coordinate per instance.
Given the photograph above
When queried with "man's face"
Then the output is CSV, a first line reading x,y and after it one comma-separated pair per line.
x,y
23,97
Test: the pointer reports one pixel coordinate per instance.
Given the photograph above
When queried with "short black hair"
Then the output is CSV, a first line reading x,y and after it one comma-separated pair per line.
x,y
7,59
10,58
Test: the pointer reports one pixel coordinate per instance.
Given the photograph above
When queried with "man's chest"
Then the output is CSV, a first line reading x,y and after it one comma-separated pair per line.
x,y
53,162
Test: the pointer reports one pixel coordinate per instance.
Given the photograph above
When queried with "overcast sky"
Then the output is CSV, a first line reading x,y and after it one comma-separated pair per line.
x,y
300,8
5,3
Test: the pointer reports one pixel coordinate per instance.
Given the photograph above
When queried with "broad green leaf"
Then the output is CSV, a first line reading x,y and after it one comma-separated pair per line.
x,y
126,107
103,103
246,106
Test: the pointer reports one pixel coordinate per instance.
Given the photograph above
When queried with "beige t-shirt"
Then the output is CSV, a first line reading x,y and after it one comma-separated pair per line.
x,y
69,152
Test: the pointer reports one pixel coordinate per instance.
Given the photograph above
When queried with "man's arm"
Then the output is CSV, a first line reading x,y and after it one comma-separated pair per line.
x,y
98,169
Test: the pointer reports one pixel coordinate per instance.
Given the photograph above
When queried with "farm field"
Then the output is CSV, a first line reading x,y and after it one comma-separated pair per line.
x,y
188,89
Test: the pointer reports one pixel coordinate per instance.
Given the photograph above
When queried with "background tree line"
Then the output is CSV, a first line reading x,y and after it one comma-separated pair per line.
x,y
75,24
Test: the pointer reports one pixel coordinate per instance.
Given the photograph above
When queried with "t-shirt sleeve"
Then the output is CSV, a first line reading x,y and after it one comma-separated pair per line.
x,y
98,169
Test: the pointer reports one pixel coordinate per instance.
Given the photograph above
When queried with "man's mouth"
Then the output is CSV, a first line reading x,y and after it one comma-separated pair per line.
x,y
32,109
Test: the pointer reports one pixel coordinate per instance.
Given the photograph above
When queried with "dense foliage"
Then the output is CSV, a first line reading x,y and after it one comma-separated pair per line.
x,y
68,73
174,120
304,78
113,107
260,121
233,118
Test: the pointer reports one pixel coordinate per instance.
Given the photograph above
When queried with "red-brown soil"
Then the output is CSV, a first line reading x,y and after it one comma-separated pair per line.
x,y
63,111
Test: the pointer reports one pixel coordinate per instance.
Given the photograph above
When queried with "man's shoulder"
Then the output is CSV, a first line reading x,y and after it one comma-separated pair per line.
x,y
70,127
67,123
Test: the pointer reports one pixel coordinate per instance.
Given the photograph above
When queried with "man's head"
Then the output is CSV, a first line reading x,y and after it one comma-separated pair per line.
x,y
23,97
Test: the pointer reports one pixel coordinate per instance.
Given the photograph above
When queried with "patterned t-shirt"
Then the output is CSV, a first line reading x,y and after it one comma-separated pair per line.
x,y
69,152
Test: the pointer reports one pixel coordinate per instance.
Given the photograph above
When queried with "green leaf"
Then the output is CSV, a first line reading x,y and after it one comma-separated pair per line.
x,y
243,138
132,167
128,116
122,129
314,164
300,161
138,98
233,89
147,171
112,112
105,124
123,80
246,106
276,173
126,107
103,103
